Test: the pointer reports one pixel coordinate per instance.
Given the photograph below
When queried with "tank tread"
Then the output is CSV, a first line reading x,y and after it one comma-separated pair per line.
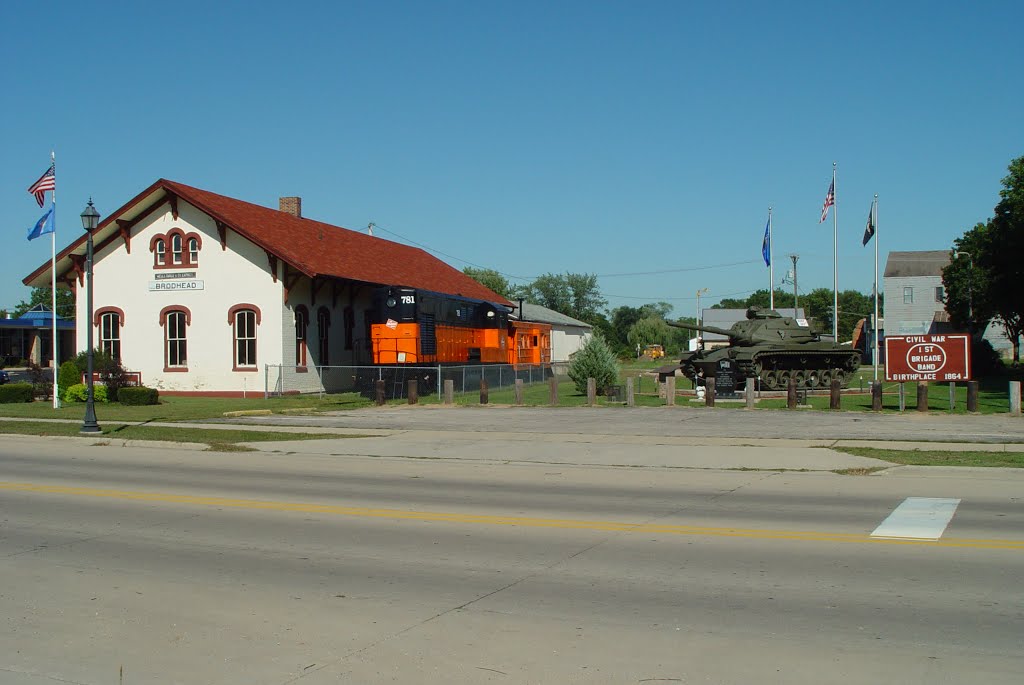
x,y
843,363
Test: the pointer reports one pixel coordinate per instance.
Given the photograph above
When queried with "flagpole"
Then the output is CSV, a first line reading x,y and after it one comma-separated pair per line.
x,y
874,354
835,258
53,283
771,264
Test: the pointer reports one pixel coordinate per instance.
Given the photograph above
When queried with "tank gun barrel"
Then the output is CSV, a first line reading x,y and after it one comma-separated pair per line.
x,y
732,335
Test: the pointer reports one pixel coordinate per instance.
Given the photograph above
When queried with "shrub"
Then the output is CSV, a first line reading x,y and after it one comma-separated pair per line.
x,y
68,376
110,371
985,361
15,392
80,393
136,395
594,360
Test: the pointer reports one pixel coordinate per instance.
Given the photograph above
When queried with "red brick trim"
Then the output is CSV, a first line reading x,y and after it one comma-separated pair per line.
x,y
220,393
240,307
106,310
175,369
175,308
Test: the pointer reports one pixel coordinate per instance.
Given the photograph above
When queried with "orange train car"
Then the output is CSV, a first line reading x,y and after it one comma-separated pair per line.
x,y
412,326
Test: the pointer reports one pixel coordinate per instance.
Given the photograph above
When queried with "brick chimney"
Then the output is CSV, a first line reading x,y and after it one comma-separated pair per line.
x,y
292,205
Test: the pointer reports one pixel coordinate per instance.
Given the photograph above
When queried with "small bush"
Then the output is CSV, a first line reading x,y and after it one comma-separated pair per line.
x,y
15,392
109,370
136,395
80,393
68,376
594,360
985,361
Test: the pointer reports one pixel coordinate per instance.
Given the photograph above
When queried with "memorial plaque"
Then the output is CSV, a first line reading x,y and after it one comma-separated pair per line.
x,y
725,378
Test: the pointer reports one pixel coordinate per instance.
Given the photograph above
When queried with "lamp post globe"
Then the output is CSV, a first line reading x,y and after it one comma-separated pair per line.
x,y
90,220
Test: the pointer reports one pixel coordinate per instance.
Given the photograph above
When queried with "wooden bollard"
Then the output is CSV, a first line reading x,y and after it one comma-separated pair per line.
x,y
553,392
972,396
791,394
591,392
922,397
749,392
483,390
414,391
380,393
1015,398
876,396
709,392
670,391
449,391
630,396
519,392
835,398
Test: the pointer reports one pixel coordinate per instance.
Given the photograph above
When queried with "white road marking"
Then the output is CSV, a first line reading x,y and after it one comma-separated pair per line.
x,y
918,518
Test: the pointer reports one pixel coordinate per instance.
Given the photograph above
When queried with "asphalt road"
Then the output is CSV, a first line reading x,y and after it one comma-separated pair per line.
x,y
171,566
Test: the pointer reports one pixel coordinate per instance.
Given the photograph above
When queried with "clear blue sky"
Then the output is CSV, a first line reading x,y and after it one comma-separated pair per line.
x,y
531,137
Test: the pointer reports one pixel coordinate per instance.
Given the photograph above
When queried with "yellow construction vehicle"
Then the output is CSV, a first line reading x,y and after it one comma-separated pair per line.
x,y
654,352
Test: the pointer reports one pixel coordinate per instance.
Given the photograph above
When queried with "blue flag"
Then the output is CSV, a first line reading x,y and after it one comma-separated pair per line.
x,y
766,244
44,225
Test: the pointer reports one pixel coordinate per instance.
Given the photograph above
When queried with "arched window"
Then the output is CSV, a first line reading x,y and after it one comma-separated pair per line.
x,y
323,325
176,249
244,319
193,251
110,334
161,253
301,325
175,320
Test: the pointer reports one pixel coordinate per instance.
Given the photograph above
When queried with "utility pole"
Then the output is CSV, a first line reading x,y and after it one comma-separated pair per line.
x,y
796,302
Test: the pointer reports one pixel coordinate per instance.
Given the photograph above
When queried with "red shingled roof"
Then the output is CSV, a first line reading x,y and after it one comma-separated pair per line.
x,y
312,247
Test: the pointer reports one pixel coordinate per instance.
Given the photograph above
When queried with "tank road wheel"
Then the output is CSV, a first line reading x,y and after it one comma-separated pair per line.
x,y
771,379
825,379
784,377
801,378
840,376
813,379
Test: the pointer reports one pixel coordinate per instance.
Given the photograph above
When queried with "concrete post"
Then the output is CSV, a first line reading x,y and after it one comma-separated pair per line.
x,y
750,393
630,396
414,393
1015,398
449,391
591,392
835,397
519,392
670,391
791,394
553,391
483,390
922,397
876,396
380,392
709,392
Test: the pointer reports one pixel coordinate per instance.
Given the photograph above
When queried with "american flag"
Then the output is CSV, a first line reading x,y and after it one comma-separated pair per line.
x,y
48,181
830,200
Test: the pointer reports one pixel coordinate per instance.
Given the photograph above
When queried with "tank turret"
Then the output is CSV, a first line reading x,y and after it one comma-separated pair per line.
x,y
773,348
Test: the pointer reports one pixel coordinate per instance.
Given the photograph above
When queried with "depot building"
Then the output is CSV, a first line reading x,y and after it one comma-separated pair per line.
x,y
202,294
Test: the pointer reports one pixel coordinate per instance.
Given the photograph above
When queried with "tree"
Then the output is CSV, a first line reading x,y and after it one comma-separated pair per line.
x,y
575,295
649,331
594,360
490,278
65,302
984,283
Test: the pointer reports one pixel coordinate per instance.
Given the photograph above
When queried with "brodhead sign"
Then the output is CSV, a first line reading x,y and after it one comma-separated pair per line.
x,y
928,358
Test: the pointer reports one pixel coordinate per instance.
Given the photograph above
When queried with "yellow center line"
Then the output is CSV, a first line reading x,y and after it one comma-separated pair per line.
x,y
521,521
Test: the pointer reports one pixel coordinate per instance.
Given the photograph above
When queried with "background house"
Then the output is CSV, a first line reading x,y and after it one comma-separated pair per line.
x,y
915,299
30,337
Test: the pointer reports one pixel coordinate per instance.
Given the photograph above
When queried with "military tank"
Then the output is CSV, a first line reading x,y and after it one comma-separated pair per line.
x,y
774,349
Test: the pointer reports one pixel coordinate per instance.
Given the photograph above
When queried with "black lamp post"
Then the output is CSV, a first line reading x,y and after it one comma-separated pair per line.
x,y
90,219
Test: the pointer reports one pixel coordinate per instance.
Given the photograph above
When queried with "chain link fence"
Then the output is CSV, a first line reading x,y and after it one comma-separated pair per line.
x,y
283,380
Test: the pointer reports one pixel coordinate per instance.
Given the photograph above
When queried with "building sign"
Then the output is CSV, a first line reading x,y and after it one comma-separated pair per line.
x,y
194,284
928,358
174,275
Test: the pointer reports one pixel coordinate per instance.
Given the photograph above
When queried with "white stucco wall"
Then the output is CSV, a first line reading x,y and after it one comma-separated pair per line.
x,y
239,274
567,340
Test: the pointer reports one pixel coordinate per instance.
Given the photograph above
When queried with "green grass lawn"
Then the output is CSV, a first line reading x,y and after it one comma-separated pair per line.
x,y
939,458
